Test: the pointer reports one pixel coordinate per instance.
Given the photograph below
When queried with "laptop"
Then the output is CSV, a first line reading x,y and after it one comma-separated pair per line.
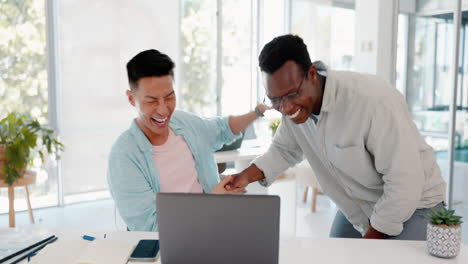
x,y
214,228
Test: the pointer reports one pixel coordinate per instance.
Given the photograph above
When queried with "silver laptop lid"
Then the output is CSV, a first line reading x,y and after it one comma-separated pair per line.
x,y
211,228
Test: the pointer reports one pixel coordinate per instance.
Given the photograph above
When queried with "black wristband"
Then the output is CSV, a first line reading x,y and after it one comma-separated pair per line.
x,y
257,112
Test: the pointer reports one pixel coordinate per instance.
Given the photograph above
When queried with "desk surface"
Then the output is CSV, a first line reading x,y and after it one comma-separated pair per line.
x,y
241,154
325,250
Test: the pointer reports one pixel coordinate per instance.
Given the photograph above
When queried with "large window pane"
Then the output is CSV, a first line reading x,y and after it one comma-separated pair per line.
x,y
429,94
236,60
198,63
327,30
96,40
429,90
460,190
24,87
272,23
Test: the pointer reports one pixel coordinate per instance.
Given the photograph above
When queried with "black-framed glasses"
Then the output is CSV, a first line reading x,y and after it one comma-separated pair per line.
x,y
277,102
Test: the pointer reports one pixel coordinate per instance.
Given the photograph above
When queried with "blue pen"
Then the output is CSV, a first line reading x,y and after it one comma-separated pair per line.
x,y
89,238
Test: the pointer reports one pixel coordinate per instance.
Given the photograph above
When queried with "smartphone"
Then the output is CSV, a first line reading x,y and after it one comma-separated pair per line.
x,y
146,250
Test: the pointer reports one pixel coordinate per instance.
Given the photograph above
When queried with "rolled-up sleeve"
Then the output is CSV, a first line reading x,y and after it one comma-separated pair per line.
x,y
396,156
218,132
284,152
132,194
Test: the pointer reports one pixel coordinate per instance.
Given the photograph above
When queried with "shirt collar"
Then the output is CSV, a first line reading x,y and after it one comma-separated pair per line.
x,y
329,95
143,142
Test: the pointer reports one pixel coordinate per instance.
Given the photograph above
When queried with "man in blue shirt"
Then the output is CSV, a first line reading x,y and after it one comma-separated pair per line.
x,y
165,150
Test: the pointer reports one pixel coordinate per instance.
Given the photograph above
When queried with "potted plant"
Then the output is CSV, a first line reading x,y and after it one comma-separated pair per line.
x,y
444,233
274,124
19,138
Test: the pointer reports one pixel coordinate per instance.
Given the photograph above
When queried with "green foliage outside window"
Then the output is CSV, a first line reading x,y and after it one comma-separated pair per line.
x,y
23,74
198,59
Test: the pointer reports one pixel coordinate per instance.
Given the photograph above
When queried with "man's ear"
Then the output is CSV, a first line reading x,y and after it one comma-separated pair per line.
x,y
312,73
131,97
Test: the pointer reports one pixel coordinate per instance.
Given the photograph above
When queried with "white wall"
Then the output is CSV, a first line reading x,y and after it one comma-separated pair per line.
x,y
407,6
366,28
374,40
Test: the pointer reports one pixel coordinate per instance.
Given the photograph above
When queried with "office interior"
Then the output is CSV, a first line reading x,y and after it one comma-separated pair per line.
x,y
63,62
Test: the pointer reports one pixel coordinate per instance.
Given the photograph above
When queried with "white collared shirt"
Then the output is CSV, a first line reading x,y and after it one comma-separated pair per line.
x,y
366,151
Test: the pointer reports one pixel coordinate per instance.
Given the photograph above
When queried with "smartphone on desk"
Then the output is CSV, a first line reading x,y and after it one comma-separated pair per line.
x,y
146,250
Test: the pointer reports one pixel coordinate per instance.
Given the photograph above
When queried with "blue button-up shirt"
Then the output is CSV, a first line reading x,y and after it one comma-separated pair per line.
x,y
132,174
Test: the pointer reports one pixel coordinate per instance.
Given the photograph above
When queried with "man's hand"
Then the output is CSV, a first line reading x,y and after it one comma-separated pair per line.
x,y
243,178
239,180
374,234
221,187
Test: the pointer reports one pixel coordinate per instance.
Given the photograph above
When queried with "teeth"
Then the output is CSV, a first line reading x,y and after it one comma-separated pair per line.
x,y
295,114
159,120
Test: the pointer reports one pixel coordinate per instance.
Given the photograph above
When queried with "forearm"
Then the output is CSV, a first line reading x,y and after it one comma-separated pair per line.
x,y
239,123
254,173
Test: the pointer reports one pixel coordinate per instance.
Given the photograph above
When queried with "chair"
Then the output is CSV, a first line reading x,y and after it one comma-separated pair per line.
x,y
29,178
305,176
247,134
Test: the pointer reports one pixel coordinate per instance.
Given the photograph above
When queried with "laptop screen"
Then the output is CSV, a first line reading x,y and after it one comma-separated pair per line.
x,y
211,228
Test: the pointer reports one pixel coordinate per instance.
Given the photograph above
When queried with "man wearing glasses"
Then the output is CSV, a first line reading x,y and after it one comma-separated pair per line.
x,y
356,132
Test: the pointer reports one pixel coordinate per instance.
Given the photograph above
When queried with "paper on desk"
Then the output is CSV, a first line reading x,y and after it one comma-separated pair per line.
x,y
14,240
62,251
99,251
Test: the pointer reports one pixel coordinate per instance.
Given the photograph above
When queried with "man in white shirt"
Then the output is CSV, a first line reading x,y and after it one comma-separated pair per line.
x,y
356,132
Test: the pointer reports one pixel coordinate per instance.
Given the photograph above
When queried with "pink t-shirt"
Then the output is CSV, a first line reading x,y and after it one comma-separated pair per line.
x,y
176,166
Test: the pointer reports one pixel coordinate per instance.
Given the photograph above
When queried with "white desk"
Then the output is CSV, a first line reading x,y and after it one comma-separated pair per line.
x,y
360,251
242,156
326,250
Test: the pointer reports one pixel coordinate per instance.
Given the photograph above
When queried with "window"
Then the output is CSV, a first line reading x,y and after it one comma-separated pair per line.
x,y
429,89
96,40
219,50
327,30
198,60
24,86
23,72
237,45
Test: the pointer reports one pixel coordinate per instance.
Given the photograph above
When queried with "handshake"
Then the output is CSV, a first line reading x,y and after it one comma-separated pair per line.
x,y
231,184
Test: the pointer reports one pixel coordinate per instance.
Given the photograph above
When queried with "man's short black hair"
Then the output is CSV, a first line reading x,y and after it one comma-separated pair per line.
x,y
148,63
281,49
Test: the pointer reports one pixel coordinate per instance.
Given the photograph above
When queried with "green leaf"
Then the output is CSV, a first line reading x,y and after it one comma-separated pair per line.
x,y
444,216
19,134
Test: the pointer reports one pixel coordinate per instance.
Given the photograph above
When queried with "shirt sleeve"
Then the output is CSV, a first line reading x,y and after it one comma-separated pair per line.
x,y
393,140
284,152
218,132
132,193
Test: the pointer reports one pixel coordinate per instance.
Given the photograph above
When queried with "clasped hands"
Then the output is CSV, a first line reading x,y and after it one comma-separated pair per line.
x,y
231,184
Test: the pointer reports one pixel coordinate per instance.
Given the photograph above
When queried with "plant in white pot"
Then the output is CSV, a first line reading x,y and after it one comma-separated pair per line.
x,y
444,233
